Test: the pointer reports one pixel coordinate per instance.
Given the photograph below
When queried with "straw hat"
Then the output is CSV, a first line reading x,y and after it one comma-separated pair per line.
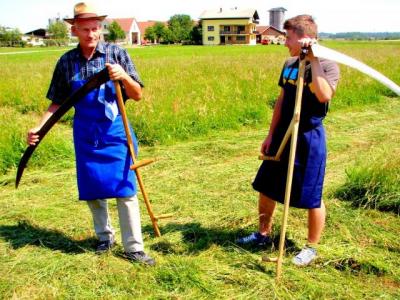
x,y
84,11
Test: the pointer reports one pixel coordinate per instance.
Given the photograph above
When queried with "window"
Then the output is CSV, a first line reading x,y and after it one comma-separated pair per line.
x,y
240,38
227,28
210,38
241,28
210,28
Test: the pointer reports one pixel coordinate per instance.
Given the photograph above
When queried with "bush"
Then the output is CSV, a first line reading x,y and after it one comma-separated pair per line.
x,y
373,182
56,42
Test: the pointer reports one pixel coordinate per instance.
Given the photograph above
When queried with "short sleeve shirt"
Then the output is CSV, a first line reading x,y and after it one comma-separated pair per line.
x,y
311,108
65,70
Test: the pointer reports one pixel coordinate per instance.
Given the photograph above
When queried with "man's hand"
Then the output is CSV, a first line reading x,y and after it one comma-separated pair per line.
x,y
265,145
132,88
116,72
32,137
307,43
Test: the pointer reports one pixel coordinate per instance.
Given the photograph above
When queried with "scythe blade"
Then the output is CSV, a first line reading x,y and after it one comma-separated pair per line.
x,y
323,52
94,82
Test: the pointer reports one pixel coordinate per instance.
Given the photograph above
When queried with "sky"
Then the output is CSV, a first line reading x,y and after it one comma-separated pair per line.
x,y
331,16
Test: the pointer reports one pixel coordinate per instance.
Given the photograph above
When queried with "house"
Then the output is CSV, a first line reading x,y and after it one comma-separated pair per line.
x,y
230,26
270,34
35,37
128,25
142,28
146,24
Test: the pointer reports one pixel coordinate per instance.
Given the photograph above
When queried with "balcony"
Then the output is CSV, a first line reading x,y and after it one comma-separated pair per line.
x,y
234,32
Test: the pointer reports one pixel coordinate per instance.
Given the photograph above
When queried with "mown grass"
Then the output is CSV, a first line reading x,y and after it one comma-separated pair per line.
x,y
46,236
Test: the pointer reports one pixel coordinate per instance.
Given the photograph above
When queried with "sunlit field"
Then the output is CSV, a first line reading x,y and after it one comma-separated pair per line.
x,y
204,114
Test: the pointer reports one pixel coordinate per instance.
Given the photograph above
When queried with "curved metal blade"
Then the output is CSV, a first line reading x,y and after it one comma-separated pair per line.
x,y
22,163
94,82
321,51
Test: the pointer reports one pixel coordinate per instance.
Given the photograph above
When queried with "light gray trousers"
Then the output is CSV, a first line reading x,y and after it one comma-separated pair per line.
x,y
129,222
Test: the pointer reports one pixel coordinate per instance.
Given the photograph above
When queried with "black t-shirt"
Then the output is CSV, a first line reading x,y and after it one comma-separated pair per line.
x,y
311,107
312,111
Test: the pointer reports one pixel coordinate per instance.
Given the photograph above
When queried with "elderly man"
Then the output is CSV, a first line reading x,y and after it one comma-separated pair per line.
x,y
102,157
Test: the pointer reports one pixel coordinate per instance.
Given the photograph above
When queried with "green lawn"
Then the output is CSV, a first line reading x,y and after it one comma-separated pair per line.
x,y
203,176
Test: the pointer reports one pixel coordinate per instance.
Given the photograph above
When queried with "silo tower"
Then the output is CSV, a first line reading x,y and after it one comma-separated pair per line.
x,y
277,17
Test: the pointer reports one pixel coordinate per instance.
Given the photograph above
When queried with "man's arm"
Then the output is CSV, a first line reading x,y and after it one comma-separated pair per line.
x,y
32,137
132,89
321,87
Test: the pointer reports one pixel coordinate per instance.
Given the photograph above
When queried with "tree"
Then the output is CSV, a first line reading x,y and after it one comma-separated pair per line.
x,y
58,31
10,37
159,31
196,35
180,26
180,29
168,37
115,32
150,34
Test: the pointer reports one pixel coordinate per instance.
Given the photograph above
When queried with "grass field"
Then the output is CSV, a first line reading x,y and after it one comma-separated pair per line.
x,y
204,114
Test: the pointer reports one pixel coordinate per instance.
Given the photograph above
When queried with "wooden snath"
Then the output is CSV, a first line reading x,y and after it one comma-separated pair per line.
x,y
136,165
292,131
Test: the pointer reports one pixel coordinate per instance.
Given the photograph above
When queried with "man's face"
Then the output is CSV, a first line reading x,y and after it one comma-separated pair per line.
x,y
292,42
88,33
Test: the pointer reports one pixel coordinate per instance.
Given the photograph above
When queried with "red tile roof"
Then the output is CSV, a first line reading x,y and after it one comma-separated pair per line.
x,y
125,23
261,29
264,30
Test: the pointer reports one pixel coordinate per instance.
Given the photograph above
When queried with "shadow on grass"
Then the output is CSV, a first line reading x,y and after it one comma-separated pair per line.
x,y
25,233
197,238
355,266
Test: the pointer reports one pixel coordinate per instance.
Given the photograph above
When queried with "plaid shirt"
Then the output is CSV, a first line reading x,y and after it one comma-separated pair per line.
x,y
64,73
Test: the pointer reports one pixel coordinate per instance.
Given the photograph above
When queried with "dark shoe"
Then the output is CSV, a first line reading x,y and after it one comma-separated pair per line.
x,y
254,239
104,246
140,257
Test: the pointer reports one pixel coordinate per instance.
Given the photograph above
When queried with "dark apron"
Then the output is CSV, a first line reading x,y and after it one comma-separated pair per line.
x,y
310,160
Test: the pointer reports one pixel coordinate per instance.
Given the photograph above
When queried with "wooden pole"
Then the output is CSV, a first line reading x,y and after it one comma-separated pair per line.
x,y
122,110
292,156
277,157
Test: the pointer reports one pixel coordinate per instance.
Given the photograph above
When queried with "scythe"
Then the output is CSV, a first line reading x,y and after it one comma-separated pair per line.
x,y
323,52
94,82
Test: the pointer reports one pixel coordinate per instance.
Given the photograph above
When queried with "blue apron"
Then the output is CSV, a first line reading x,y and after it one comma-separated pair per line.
x,y
310,160
102,156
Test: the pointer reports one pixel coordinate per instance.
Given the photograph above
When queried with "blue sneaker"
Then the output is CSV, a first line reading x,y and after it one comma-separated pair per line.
x,y
254,239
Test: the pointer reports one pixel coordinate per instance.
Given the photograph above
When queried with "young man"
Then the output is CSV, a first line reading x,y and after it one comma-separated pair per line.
x,y
102,157
321,78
